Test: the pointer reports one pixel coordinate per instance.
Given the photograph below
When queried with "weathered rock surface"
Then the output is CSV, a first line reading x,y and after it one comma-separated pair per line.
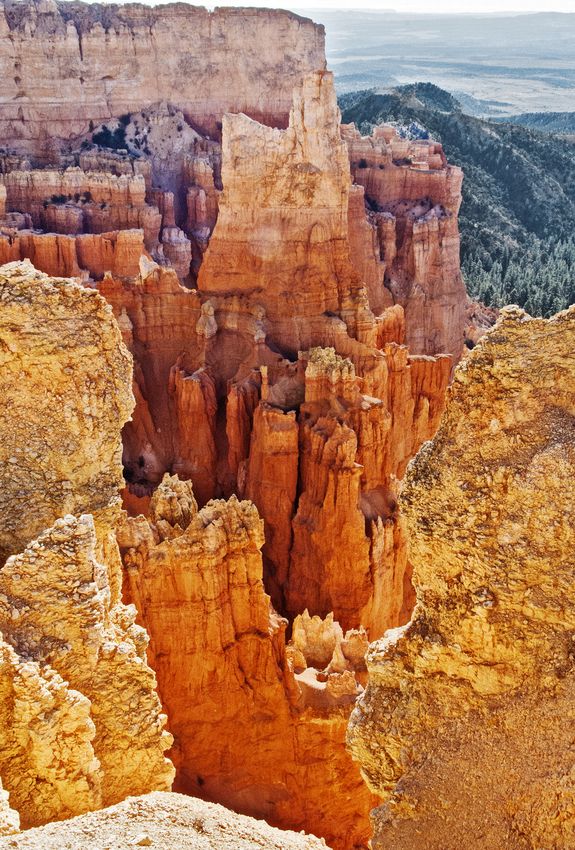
x,y
82,255
65,384
74,201
81,722
283,378
163,821
281,234
113,60
74,621
224,676
414,196
47,760
466,726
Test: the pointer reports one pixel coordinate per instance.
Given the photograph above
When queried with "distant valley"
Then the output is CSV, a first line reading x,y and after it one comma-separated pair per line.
x,y
495,64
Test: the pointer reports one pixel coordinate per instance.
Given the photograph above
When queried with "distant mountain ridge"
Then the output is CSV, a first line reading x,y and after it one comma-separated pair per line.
x,y
547,122
518,214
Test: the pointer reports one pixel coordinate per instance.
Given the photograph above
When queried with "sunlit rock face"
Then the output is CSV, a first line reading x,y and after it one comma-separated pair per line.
x,y
252,723
65,379
72,659
414,196
465,726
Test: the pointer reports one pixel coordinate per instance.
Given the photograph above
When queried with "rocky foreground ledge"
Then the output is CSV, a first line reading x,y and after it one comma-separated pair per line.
x,y
163,821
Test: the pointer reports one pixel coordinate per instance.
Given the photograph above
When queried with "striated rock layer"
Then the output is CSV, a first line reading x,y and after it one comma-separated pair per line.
x,y
465,729
82,255
81,722
274,381
309,405
414,197
114,59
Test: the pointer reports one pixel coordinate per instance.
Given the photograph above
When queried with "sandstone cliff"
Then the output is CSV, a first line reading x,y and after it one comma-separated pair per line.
x,y
113,60
290,185
74,201
465,727
80,256
65,383
73,663
267,301
305,402
414,196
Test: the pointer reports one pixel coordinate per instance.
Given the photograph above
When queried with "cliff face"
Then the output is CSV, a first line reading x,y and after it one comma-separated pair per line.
x,y
73,622
65,382
290,185
76,256
414,197
298,397
102,61
465,726
72,660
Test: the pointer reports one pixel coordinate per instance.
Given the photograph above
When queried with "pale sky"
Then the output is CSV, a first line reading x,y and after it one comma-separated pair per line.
x,y
435,6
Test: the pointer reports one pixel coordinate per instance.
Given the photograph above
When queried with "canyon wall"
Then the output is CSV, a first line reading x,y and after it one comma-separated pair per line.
x,y
102,61
76,255
65,382
414,197
230,395
465,728
275,381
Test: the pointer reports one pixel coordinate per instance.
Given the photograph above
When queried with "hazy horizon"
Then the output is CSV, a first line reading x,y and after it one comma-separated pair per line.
x,y
412,6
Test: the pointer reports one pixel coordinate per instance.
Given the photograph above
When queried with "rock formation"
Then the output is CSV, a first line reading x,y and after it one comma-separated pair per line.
x,y
74,201
293,331
85,255
65,384
465,727
281,186
228,684
114,60
415,197
73,663
163,821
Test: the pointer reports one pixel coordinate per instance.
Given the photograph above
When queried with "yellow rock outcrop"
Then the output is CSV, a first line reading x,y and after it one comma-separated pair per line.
x,y
80,721
466,727
65,384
